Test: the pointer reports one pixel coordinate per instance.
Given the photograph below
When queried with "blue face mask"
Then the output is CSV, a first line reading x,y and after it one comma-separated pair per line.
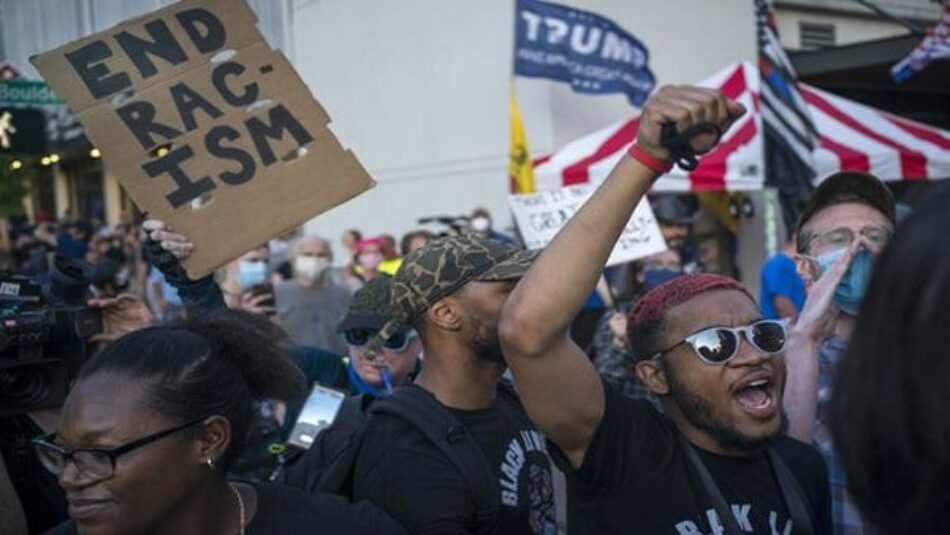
x,y
251,274
850,291
654,277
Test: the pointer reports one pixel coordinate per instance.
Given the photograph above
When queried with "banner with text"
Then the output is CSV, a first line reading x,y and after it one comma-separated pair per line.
x,y
581,48
205,126
541,215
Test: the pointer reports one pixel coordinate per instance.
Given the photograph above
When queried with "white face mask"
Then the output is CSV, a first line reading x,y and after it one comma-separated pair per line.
x,y
481,224
311,267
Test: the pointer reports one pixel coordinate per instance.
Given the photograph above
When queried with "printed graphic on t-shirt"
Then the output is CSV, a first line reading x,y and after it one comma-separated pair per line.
x,y
749,518
526,479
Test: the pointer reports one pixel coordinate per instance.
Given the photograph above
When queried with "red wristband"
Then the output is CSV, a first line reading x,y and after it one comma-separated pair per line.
x,y
660,167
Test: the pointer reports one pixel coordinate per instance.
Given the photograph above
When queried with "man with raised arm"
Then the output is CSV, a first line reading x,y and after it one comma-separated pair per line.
x,y
714,460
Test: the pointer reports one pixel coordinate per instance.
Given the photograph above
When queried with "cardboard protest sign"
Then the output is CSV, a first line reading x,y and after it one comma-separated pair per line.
x,y
541,215
205,126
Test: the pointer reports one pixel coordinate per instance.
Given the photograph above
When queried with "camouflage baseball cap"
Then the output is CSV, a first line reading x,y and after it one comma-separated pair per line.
x,y
444,265
371,307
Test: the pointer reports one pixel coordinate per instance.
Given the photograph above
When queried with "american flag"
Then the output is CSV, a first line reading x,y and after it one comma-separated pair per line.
x,y
790,135
935,45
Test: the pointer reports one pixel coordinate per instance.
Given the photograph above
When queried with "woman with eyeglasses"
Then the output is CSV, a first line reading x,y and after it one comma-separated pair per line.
x,y
154,421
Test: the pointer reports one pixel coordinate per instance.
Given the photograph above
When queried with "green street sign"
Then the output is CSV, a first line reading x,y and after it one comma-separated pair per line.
x,y
27,92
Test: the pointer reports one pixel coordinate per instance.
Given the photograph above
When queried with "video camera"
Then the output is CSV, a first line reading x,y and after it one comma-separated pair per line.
x,y
43,333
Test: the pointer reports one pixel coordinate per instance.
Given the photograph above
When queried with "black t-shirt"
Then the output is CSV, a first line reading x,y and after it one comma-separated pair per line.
x,y
636,478
43,501
282,510
399,469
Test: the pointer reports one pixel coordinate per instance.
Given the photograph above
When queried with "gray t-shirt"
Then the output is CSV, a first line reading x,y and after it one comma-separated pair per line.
x,y
311,315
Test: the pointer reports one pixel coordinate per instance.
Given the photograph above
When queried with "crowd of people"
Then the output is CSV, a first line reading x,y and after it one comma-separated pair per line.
x,y
480,394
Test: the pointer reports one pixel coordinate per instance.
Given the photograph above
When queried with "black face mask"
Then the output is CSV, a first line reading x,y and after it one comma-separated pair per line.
x,y
654,277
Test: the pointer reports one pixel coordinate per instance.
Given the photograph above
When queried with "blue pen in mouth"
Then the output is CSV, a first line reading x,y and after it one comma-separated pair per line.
x,y
387,379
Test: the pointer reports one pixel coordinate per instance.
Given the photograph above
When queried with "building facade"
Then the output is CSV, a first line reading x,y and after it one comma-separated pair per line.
x,y
816,24
848,48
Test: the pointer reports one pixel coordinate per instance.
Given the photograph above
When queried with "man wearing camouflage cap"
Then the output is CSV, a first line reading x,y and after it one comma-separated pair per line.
x,y
451,292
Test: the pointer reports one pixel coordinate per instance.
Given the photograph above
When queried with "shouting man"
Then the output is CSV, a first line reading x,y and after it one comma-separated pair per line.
x,y
715,460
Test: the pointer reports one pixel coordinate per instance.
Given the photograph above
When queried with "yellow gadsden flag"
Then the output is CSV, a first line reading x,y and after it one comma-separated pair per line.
x,y
519,165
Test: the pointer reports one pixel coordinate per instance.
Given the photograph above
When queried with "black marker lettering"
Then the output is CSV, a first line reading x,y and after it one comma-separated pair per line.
x,y
188,189
88,64
213,143
213,35
219,81
139,117
187,100
280,120
162,45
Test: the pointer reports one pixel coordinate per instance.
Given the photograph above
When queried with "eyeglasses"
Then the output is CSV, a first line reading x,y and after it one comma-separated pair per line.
x,y
396,343
719,345
94,463
843,237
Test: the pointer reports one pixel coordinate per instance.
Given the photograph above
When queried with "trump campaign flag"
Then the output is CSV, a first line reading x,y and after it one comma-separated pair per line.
x,y
581,48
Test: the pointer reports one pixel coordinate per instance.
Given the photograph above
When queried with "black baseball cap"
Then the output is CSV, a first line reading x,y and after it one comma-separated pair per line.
x,y
671,210
845,187
371,307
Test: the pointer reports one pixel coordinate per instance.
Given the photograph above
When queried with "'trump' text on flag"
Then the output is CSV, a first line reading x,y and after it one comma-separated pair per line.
x,y
586,50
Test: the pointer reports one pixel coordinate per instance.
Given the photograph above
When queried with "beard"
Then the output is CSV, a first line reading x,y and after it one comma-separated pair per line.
x,y
487,346
701,413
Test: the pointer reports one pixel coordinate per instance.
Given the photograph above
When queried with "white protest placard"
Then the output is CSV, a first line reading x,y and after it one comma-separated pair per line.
x,y
541,215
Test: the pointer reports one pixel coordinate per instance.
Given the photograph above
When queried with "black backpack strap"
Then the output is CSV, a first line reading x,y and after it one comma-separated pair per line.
x,y
327,465
712,490
340,445
792,492
421,410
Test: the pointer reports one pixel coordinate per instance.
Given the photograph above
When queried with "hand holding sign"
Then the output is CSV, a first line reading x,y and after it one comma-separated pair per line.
x,y
203,124
162,234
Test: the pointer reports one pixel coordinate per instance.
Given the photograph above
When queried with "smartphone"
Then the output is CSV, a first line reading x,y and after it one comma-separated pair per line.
x,y
318,413
265,289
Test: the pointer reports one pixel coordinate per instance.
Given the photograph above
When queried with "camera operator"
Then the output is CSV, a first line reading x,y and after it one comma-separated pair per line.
x,y
43,504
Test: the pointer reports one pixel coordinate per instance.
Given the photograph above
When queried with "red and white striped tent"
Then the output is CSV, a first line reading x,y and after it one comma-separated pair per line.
x,y
852,137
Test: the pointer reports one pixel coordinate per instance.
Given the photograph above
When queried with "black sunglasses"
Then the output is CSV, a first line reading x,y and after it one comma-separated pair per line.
x,y
719,345
397,342
95,463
